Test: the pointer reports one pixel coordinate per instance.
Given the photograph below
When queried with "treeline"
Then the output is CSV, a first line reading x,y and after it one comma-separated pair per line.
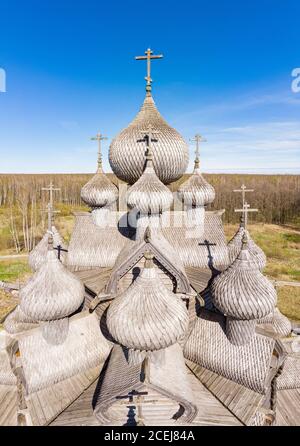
x,y
23,203
276,196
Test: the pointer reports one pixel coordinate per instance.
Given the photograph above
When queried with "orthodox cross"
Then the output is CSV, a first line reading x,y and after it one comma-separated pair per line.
x,y
246,208
99,137
197,139
243,190
148,57
137,399
51,189
50,211
50,207
149,138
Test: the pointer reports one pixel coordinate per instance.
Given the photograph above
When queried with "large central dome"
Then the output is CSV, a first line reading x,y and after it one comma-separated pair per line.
x,y
127,151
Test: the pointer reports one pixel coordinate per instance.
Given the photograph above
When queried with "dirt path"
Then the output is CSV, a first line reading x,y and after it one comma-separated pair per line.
x,y
13,256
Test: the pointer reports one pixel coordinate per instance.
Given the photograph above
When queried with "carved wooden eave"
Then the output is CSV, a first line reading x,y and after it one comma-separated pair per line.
x,y
163,254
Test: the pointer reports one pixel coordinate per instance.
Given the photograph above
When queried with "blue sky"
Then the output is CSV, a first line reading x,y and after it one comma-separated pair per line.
x,y
226,73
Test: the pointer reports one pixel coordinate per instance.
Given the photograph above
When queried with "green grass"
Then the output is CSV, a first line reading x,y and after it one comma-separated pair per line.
x,y
289,302
12,270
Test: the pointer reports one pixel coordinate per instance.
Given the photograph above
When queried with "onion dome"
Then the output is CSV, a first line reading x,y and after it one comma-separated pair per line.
x,y
99,191
147,317
127,156
235,244
38,255
241,291
149,194
196,191
52,292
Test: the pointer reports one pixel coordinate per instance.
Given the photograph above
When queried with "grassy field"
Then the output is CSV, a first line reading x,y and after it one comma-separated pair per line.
x,y
281,245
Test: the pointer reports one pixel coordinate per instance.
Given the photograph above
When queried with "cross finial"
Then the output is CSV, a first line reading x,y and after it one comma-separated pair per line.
x,y
148,57
50,211
245,210
197,139
245,206
50,206
243,189
99,137
51,189
148,137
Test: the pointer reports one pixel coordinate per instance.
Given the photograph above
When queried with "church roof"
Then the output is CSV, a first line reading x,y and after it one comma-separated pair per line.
x,y
147,316
163,252
209,347
208,251
45,363
241,291
52,292
164,382
127,154
92,246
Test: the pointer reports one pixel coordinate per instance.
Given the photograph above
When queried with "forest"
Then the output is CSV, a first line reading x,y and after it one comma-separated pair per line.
x,y
23,202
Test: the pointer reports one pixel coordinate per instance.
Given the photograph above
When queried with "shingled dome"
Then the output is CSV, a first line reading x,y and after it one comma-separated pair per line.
x,y
99,191
241,291
147,317
235,245
127,154
149,194
38,255
52,292
196,191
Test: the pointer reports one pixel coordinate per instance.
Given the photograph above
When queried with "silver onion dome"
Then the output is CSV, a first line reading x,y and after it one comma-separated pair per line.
x,y
127,155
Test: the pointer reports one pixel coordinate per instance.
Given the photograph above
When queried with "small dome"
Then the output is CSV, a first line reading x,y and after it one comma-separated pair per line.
x,y
127,154
196,191
256,253
52,292
147,317
99,191
39,253
241,291
149,194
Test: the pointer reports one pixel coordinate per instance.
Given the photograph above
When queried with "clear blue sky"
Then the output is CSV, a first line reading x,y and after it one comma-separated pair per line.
x,y
226,73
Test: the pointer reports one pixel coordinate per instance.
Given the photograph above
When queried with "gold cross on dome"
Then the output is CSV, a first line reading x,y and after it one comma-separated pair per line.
x,y
149,56
99,137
